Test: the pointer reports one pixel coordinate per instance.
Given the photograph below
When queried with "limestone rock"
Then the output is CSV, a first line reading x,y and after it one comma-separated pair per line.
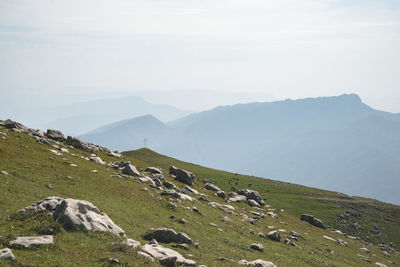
x,y
183,175
235,197
312,220
74,214
166,235
163,253
274,235
132,243
257,263
6,253
221,194
78,143
27,241
96,159
257,246
212,187
129,169
49,204
252,194
153,170
55,135
253,203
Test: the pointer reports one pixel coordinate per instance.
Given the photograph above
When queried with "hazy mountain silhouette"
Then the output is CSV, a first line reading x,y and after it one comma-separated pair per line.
x,y
82,117
337,143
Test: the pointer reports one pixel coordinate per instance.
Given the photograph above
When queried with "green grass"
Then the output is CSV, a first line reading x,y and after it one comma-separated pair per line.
x,y
135,211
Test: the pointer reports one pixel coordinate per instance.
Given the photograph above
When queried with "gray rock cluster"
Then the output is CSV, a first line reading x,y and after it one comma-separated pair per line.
x,y
28,241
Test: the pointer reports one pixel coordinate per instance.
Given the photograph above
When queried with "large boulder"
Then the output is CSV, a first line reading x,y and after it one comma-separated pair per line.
x,y
166,235
167,255
257,263
312,220
274,235
182,175
55,135
130,170
78,143
6,253
28,241
49,204
251,194
81,214
257,246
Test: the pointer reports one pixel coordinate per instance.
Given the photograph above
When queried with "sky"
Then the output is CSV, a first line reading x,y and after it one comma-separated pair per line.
x,y
53,52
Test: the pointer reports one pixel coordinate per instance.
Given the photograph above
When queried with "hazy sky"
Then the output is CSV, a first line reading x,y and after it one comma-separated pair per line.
x,y
266,49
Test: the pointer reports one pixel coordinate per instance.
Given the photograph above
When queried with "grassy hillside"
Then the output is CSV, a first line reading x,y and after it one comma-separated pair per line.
x,y
32,167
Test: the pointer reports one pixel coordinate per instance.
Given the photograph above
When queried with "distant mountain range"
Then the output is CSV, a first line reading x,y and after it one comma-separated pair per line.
x,y
82,117
336,143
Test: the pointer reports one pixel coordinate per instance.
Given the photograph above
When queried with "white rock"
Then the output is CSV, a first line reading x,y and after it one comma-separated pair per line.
x,y
74,213
28,241
161,252
257,263
6,253
132,243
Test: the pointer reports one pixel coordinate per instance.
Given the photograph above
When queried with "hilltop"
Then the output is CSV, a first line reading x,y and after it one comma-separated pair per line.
x,y
215,229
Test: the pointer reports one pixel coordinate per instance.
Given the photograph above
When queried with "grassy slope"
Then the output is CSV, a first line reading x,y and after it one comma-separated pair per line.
x,y
136,211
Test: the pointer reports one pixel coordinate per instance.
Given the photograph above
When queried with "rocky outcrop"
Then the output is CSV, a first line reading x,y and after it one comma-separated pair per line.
x,y
49,204
256,263
6,253
253,203
312,220
251,194
14,125
167,256
182,175
166,235
78,143
131,170
55,135
81,214
97,159
28,241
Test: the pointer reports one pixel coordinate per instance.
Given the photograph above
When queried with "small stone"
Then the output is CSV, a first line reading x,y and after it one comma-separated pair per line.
x,y
4,173
257,246
6,253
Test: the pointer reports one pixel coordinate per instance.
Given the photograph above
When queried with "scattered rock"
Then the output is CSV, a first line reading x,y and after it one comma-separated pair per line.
x,y
166,235
253,203
380,264
221,194
132,243
6,253
184,176
235,197
172,205
153,170
194,191
162,253
4,173
129,169
274,235
257,263
257,246
364,249
169,185
97,159
312,220
27,241
74,214
251,194
195,209
211,186
182,221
